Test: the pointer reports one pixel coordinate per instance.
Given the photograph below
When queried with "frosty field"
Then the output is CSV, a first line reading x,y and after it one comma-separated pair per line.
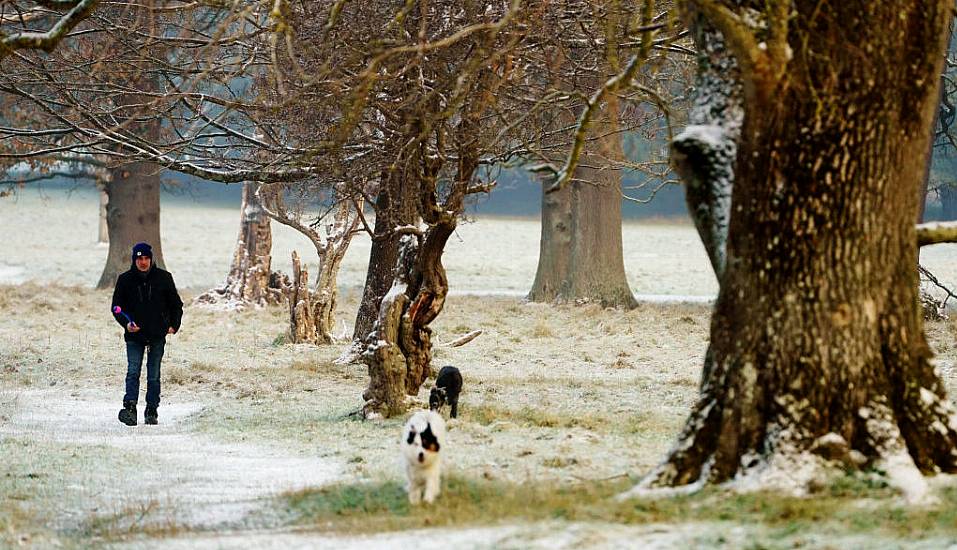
x,y
563,408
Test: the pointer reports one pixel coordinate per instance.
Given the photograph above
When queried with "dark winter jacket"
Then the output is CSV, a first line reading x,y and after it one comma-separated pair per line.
x,y
150,300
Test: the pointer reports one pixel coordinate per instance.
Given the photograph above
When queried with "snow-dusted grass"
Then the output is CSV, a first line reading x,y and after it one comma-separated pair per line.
x,y
851,505
562,408
551,425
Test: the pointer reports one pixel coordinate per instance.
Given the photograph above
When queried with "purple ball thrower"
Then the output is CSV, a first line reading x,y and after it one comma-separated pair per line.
x,y
119,311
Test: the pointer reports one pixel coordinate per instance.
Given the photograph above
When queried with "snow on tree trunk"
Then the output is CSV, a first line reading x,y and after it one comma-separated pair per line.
x,y
250,279
704,153
133,215
817,347
399,348
395,206
388,368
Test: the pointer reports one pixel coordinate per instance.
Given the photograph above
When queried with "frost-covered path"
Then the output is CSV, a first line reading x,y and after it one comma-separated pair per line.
x,y
201,481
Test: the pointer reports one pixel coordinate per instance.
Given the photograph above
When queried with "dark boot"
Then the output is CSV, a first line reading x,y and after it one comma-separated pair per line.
x,y
128,413
151,416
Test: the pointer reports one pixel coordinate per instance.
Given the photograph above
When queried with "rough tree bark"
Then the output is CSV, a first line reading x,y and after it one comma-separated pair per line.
x,y
133,215
302,318
250,279
580,254
818,352
704,153
395,207
389,378
399,348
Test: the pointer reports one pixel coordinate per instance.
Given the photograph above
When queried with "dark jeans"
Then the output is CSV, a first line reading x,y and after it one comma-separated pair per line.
x,y
134,359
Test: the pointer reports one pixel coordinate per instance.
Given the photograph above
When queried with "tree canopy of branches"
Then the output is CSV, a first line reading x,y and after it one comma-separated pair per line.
x,y
21,23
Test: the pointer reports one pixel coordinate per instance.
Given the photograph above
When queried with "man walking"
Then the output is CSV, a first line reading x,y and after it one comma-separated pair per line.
x,y
147,306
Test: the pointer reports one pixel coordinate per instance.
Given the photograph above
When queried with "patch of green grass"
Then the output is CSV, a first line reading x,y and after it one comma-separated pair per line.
x,y
384,506
850,505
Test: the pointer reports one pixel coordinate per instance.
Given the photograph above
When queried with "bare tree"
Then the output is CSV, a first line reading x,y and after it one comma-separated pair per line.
x,y
312,311
425,95
580,256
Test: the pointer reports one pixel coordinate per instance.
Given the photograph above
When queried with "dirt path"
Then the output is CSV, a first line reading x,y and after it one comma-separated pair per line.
x,y
206,482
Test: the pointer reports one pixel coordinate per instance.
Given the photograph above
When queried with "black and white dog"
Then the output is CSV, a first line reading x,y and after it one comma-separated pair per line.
x,y
447,387
422,441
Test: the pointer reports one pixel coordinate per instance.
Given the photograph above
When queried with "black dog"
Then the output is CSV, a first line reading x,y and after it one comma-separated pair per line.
x,y
448,385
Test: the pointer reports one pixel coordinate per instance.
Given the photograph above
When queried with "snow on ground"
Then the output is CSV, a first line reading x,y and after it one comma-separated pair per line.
x,y
544,536
213,483
497,255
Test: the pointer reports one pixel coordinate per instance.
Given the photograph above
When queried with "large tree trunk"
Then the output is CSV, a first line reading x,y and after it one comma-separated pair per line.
x,y
399,348
704,153
580,255
384,356
395,206
133,215
817,346
250,279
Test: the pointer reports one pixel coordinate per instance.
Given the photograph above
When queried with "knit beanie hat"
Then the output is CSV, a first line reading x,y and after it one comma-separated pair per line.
x,y
142,249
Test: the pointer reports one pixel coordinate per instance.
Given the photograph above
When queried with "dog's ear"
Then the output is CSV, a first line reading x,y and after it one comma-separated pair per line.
x,y
436,398
411,436
429,441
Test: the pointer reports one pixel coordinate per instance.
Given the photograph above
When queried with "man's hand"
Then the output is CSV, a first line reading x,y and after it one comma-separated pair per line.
x,y
132,327
171,331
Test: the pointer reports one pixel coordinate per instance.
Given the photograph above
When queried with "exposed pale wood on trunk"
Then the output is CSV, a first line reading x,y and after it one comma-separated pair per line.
x,y
250,279
103,231
330,247
302,319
